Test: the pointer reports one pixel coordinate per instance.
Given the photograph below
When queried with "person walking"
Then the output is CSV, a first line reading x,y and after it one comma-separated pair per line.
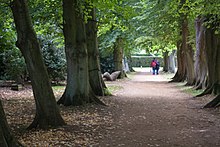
x,y
155,65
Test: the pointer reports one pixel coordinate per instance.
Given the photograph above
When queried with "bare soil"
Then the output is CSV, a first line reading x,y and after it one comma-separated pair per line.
x,y
152,112
146,112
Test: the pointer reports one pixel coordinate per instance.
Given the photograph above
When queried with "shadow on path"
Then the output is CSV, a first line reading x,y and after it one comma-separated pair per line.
x,y
149,111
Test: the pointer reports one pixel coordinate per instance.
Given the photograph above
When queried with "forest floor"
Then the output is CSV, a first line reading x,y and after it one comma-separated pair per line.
x,y
144,111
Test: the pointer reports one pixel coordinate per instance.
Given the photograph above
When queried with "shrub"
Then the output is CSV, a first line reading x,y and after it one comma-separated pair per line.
x,y
54,58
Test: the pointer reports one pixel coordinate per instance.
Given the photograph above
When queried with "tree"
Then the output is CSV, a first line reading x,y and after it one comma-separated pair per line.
x,y
95,79
47,113
6,138
188,51
78,90
54,58
118,54
201,68
114,35
212,42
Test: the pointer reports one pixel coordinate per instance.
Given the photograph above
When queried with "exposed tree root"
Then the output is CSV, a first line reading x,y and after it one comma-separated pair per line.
x,y
214,103
177,80
33,125
92,99
189,84
198,86
111,77
46,123
96,100
61,100
208,90
175,76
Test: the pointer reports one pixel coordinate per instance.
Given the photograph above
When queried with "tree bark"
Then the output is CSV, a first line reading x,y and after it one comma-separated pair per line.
x,y
171,62
118,56
111,77
180,75
47,112
78,90
187,48
166,61
95,76
200,56
212,47
6,138
184,52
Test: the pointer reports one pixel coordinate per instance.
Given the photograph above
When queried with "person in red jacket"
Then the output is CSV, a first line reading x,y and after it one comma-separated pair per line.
x,y
155,66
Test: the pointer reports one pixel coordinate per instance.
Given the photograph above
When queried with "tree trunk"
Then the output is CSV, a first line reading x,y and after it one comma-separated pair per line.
x,y
78,91
180,75
118,56
184,52
200,56
125,64
210,53
95,76
47,112
166,61
187,49
6,138
212,47
129,60
171,62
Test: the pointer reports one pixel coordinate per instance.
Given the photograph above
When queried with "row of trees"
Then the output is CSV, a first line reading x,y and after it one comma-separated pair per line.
x,y
120,27
84,79
193,28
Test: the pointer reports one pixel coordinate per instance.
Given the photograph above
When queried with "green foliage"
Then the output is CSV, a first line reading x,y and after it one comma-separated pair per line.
x,y
113,88
107,63
54,57
157,26
114,22
152,25
47,20
12,65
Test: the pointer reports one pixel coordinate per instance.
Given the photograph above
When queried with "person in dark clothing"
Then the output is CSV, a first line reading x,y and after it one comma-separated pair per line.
x,y
157,67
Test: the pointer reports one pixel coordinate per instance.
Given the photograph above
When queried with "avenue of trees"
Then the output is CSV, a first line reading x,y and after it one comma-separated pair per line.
x,y
47,40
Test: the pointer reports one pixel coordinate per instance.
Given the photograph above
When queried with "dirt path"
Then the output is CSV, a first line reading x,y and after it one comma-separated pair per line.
x,y
150,112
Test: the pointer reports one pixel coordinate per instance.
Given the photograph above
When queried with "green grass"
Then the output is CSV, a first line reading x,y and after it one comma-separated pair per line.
x,y
114,88
192,91
58,88
189,89
111,88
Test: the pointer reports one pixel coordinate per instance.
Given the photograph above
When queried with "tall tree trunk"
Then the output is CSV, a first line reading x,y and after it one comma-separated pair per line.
x,y
165,61
6,138
125,64
187,49
180,75
212,44
78,90
118,56
171,62
95,76
129,59
185,52
47,112
200,56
